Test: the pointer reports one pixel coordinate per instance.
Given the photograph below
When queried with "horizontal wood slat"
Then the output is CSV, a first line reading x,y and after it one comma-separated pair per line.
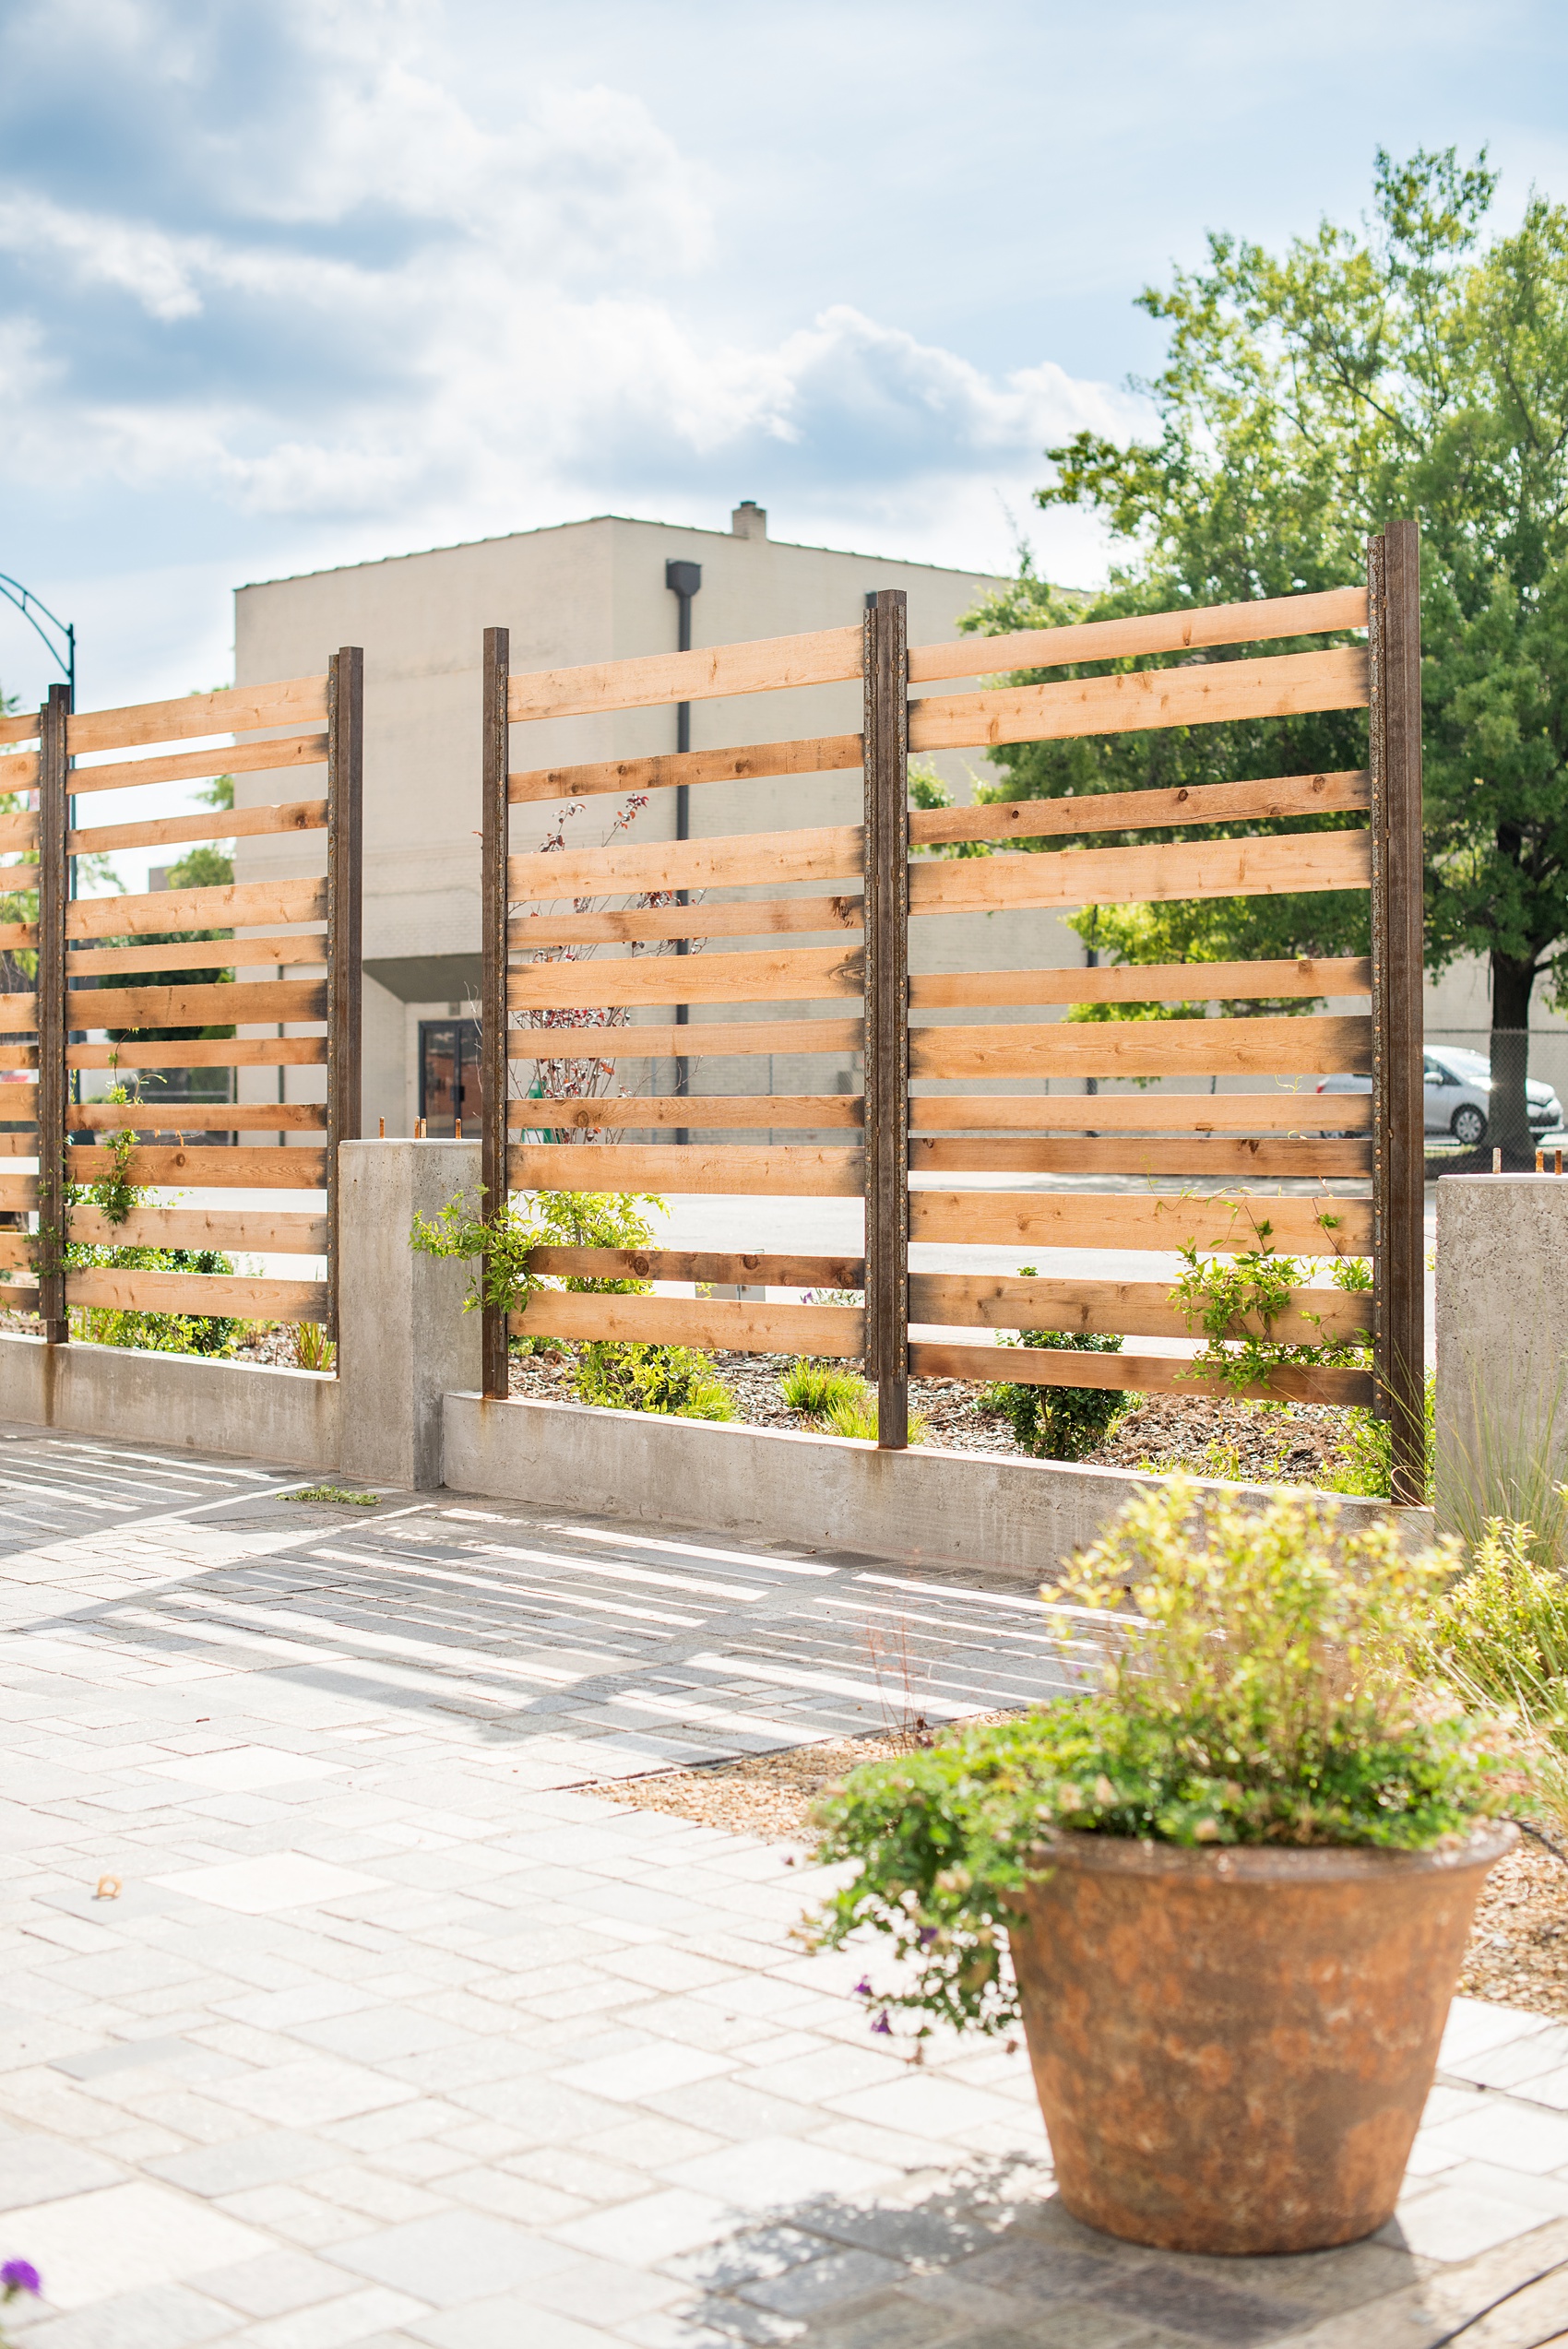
x,y
153,1114
790,1171
19,832
202,1052
15,1251
752,917
19,725
19,1297
1279,864
826,755
1215,1161
308,947
278,1231
18,1056
736,1325
227,1295
277,1168
284,752
745,1271
222,824
741,861
1133,701
1277,799
1129,1373
769,665
1318,1044
18,933
641,1043
1144,983
694,1109
218,909
1118,1308
235,709
18,1192
219,1003
18,1012
1281,1112
1158,632
807,975
1222,1226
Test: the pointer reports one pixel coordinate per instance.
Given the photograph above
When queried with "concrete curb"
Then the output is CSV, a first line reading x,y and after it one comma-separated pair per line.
x,y
1016,1517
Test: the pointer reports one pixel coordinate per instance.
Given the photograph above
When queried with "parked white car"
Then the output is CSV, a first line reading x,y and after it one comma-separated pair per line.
x,y
1457,1092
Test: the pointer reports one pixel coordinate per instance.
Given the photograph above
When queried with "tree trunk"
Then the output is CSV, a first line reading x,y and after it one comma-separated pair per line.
x,y
1509,1128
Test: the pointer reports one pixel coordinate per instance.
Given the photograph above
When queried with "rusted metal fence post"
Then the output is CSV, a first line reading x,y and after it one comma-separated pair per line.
x,y
886,681
1394,726
345,931
495,1074
54,890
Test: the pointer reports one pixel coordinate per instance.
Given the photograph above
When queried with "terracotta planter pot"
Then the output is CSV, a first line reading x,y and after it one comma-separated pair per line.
x,y
1232,2048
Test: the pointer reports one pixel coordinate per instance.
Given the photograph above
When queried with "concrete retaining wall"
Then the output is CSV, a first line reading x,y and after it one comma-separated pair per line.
x,y
1016,1517
177,1401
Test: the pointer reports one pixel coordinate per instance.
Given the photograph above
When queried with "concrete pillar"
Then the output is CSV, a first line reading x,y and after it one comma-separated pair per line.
x,y
1502,1346
404,1339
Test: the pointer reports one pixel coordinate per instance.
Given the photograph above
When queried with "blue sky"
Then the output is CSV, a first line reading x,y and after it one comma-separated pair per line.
x,y
291,283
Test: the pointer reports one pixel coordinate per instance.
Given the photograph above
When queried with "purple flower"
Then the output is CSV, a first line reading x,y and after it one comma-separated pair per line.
x,y
864,1989
928,1935
882,2025
20,2275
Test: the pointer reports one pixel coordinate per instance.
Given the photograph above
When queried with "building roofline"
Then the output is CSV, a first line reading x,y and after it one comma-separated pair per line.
x,y
637,521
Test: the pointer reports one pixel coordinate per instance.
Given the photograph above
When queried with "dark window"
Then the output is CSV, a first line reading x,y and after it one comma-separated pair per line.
x,y
449,1076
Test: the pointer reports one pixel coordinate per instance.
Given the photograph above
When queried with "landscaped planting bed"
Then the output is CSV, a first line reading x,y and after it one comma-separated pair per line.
x,y
1227,1437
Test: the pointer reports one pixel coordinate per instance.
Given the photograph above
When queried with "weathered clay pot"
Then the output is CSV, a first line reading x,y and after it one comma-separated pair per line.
x,y
1232,2048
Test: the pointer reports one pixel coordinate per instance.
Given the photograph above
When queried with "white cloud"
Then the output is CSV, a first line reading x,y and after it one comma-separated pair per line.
x,y
392,313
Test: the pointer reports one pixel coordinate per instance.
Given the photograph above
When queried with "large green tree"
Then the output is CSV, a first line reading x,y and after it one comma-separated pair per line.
x,y
1408,365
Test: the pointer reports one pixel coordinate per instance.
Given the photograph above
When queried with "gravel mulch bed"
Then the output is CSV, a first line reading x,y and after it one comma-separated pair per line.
x,y
767,1795
1518,1948
1290,1443
1518,1952
950,1405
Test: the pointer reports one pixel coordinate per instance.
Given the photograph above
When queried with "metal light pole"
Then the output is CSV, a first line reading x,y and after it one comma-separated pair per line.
x,y
61,647
28,605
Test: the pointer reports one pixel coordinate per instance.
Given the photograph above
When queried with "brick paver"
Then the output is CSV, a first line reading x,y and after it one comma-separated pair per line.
x,y
391,2035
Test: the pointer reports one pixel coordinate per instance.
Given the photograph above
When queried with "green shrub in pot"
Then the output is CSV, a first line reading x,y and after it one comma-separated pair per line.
x,y
1248,1771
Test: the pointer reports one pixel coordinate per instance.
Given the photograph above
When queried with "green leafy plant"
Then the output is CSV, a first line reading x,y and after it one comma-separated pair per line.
x,y
500,1252
673,1379
337,1495
1368,1442
1059,1422
1236,1299
815,1388
1253,1687
153,1332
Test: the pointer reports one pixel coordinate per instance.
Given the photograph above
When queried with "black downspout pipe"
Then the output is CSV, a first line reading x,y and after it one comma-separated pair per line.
x,y
685,581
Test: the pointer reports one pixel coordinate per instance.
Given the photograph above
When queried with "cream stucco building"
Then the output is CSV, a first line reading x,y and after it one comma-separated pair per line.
x,y
587,591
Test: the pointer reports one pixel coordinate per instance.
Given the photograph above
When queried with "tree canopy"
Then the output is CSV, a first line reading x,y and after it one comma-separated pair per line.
x,y
1406,365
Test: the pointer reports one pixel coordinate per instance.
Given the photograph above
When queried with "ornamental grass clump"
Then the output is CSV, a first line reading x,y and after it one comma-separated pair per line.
x,y
1498,1637
1242,1676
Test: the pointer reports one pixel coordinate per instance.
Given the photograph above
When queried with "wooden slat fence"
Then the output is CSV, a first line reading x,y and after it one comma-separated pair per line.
x,y
555,1003
136,966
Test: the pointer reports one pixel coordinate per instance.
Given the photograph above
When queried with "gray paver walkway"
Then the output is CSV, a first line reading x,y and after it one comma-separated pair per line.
x,y
389,2035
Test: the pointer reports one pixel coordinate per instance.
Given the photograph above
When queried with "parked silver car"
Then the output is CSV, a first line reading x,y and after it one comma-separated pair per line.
x,y
1457,1092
